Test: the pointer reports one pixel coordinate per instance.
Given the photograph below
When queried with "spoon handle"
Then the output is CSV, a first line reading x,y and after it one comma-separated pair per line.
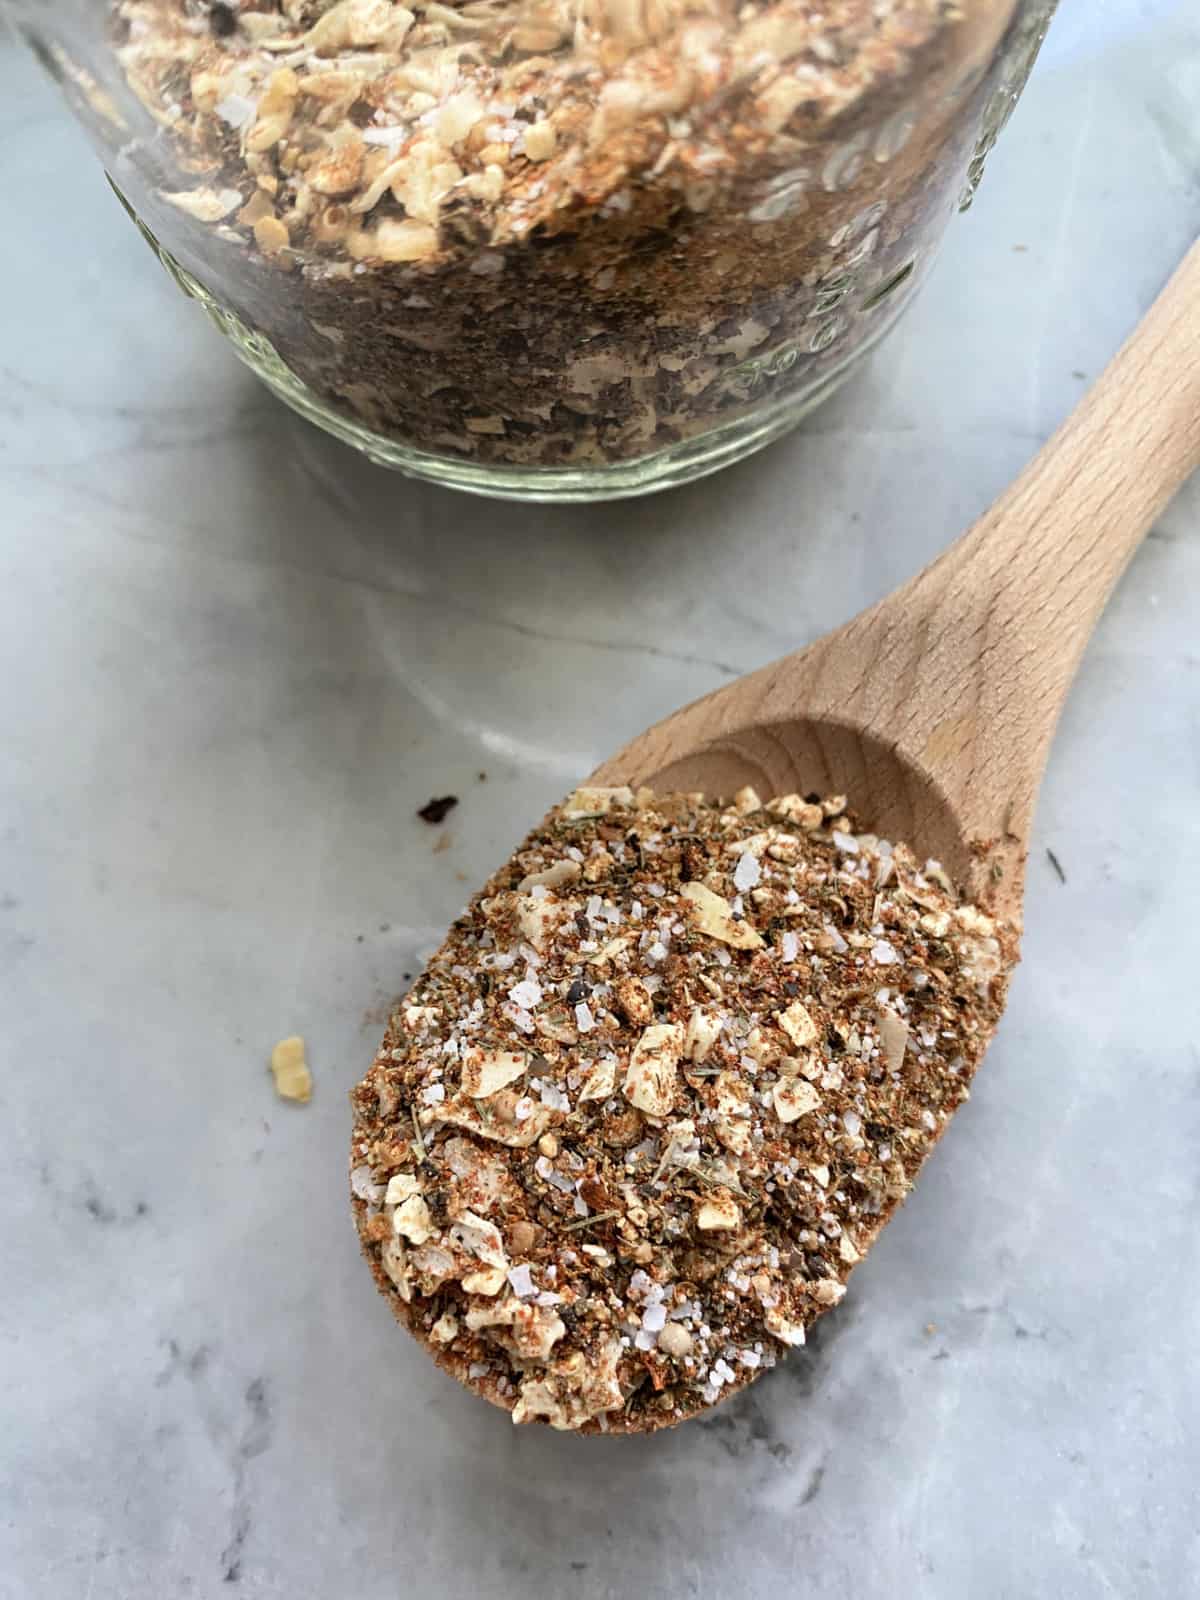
x,y
989,636
1053,546
935,707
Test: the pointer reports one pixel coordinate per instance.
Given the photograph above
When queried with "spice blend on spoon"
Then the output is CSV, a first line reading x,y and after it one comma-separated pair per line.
x,y
658,1092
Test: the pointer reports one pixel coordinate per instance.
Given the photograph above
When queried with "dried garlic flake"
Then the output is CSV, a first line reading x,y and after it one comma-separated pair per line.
x,y
293,1080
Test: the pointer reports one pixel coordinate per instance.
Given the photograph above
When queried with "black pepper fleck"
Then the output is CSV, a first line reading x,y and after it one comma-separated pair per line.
x,y
437,810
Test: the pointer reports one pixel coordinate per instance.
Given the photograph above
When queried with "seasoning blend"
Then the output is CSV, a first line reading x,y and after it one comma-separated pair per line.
x,y
550,249
658,1092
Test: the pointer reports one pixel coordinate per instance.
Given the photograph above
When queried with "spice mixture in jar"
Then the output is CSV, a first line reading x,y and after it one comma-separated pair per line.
x,y
658,1092
561,236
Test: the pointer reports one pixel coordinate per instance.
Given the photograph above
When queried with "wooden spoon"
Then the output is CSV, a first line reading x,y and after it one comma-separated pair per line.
x,y
934,710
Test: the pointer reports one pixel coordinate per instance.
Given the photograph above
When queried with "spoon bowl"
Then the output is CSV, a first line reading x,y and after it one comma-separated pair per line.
x,y
932,713
933,710
900,798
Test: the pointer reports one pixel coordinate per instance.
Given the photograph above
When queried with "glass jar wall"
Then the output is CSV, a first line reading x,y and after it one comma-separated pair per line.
x,y
552,249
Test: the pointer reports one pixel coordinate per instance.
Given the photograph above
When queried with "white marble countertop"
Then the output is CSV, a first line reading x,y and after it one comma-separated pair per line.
x,y
236,660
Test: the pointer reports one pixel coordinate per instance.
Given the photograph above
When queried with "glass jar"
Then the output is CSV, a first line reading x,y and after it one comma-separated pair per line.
x,y
546,249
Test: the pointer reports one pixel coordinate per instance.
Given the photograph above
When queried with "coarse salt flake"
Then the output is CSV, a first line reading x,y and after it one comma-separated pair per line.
x,y
747,872
238,110
546,1171
526,994
364,1186
521,1280
393,137
552,1096
654,1317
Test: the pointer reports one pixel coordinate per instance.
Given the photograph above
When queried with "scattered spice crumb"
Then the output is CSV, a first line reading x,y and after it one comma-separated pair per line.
x,y
437,810
293,1080
658,1092
1057,865
442,843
